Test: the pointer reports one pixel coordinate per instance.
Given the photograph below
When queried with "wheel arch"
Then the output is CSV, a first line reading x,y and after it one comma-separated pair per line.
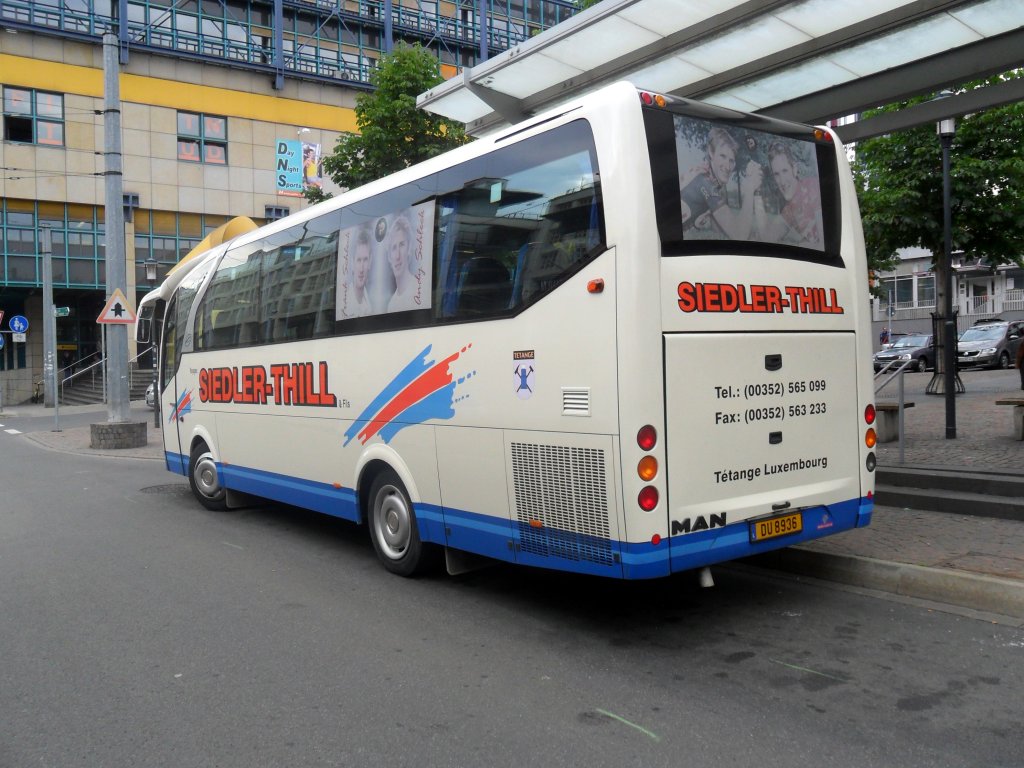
x,y
374,460
201,434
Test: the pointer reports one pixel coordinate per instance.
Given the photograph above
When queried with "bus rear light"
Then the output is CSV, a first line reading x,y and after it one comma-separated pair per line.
x,y
870,438
652,99
647,498
869,414
536,524
869,464
647,437
647,468
822,135
646,98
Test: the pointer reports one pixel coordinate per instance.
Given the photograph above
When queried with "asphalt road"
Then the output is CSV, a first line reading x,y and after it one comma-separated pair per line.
x,y
138,629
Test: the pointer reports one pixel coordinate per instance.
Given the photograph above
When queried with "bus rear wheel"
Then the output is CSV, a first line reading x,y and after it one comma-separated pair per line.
x,y
203,477
393,528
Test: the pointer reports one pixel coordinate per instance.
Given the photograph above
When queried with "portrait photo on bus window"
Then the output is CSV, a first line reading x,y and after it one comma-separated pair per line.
x,y
386,265
745,185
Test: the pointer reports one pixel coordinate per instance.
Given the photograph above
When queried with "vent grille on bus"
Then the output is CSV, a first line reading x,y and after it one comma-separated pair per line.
x,y
575,401
561,497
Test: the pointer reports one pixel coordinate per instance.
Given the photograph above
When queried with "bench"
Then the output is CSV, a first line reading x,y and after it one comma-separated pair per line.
x,y
1018,414
888,421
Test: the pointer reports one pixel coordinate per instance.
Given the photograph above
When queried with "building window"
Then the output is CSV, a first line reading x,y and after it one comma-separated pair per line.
x,y
275,212
908,291
33,117
926,290
202,138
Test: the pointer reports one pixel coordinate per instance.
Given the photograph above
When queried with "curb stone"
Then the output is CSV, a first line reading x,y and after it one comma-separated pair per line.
x,y
967,590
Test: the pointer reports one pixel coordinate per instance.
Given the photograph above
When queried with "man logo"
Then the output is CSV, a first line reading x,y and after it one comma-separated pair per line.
x,y
699,523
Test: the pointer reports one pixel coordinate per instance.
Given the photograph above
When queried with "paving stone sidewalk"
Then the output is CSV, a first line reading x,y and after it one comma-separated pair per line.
x,y
965,560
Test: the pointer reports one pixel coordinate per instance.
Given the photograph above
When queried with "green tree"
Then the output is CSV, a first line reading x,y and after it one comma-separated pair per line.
x,y
899,185
393,133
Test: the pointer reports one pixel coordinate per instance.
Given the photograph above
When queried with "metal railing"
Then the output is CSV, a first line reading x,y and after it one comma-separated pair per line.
x,y
900,397
92,369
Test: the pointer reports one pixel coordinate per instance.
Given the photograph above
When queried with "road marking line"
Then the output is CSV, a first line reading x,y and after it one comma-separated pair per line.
x,y
811,671
12,432
624,721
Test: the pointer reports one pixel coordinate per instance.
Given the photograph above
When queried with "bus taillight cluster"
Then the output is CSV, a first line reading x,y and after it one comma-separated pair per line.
x,y
647,469
870,437
652,99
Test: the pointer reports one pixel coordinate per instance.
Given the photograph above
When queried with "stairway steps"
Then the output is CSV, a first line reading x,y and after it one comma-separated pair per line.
x,y
88,391
940,490
973,504
998,484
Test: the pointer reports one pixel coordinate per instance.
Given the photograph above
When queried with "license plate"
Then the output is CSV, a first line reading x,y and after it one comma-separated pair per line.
x,y
773,527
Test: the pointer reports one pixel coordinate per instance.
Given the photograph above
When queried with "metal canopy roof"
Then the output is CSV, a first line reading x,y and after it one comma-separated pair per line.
x,y
803,60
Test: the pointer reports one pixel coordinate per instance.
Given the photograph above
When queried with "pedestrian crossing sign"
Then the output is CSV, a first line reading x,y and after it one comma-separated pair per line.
x,y
117,310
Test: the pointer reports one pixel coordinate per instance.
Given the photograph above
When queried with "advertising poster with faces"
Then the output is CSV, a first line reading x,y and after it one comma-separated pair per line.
x,y
385,264
739,184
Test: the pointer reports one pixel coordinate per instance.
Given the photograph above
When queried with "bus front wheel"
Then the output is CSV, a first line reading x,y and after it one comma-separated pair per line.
x,y
393,528
203,477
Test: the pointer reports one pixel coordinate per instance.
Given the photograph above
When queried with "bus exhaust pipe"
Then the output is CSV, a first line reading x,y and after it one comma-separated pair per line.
x,y
706,580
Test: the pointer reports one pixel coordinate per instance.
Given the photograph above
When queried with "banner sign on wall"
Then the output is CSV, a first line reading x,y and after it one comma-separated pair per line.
x,y
298,166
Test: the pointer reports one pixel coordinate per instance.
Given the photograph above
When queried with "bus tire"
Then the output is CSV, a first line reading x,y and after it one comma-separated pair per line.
x,y
393,528
203,477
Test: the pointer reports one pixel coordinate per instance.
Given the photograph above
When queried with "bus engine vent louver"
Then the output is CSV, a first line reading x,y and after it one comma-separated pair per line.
x,y
561,497
575,401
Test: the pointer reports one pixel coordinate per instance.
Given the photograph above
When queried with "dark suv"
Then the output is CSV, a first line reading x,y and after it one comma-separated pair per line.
x,y
990,343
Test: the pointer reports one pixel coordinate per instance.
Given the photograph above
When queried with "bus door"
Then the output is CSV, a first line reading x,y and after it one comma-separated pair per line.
x,y
171,409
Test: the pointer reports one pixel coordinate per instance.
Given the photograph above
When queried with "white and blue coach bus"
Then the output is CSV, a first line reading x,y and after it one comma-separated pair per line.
x,y
627,337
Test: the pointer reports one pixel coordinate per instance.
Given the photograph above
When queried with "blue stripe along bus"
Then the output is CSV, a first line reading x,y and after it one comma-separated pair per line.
x,y
627,337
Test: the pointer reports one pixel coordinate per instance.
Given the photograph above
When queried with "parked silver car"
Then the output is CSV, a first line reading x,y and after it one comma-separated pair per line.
x,y
990,343
916,347
151,395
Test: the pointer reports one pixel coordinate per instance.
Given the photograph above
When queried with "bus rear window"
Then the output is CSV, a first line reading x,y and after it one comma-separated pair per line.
x,y
730,187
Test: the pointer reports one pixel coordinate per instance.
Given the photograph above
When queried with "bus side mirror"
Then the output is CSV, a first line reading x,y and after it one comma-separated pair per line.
x,y
144,325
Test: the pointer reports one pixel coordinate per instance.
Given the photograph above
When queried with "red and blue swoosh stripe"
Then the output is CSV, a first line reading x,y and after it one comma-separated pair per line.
x,y
183,406
423,390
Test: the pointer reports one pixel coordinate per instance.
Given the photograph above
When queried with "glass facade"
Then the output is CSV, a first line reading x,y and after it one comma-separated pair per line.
x,y
336,39
76,236
79,258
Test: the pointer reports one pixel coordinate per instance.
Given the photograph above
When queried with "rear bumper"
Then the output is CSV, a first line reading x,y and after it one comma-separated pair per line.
x,y
695,550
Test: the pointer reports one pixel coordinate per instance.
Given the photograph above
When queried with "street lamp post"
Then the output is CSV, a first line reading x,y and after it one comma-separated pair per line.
x,y
151,268
946,129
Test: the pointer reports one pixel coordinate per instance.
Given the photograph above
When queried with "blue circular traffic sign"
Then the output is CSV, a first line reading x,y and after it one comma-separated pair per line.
x,y
18,324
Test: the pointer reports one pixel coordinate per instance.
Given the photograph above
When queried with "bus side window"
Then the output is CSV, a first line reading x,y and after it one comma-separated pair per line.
x,y
515,224
484,287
